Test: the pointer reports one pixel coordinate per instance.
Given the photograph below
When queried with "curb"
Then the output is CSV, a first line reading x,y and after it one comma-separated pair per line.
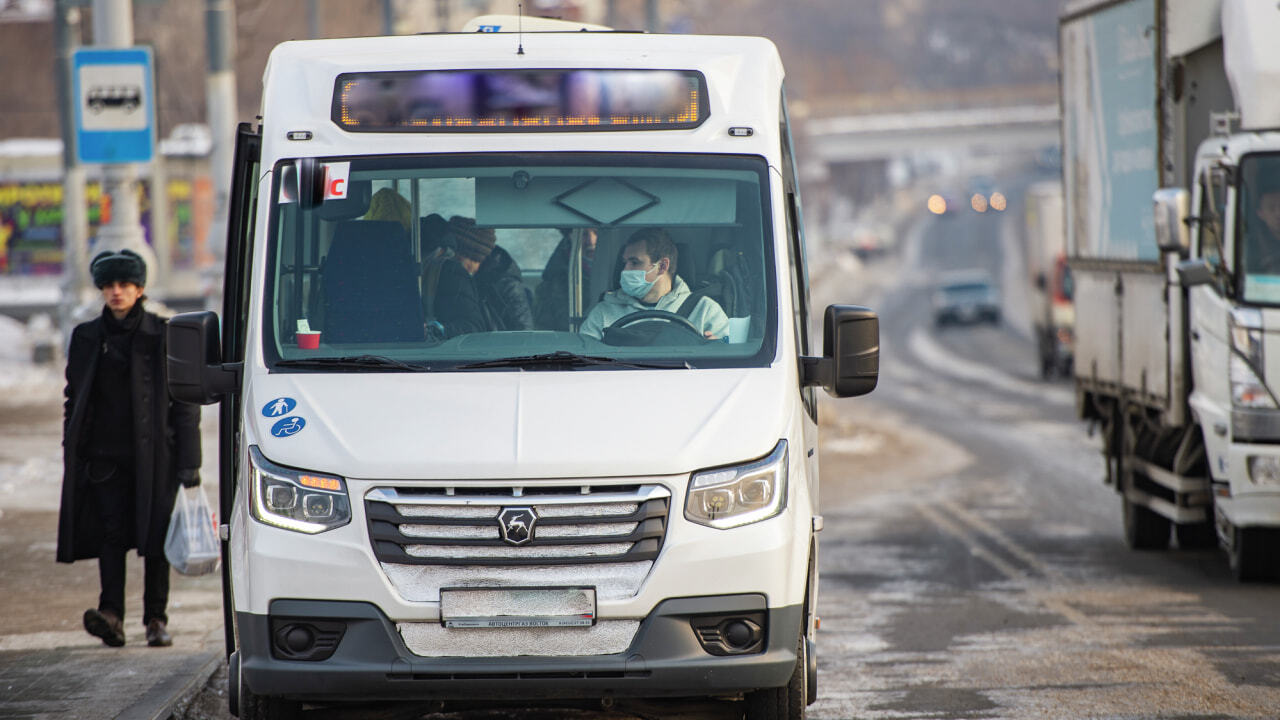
x,y
160,702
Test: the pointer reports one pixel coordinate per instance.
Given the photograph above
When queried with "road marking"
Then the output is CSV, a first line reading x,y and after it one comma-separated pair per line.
x,y
955,526
932,354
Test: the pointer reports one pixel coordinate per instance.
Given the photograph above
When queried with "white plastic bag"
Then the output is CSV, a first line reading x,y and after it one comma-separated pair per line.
x,y
191,544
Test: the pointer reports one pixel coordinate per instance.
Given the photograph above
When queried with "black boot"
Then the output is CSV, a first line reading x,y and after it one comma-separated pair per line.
x,y
104,624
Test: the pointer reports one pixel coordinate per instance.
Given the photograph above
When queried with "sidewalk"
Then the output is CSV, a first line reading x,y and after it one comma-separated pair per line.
x,y
49,666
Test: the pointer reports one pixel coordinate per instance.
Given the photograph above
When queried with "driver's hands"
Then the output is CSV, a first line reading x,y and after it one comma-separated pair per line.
x,y
709,335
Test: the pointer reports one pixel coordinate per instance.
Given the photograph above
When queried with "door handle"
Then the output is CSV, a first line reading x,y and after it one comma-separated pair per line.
x,y
1195,335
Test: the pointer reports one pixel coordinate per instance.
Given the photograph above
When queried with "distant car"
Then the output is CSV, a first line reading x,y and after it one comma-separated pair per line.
x,y
965,299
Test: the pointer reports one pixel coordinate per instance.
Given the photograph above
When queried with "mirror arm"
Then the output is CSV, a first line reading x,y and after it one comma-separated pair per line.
x,y
816,371
225,379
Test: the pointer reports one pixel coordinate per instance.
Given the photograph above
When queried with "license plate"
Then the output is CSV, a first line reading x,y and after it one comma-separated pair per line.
x,y
518,607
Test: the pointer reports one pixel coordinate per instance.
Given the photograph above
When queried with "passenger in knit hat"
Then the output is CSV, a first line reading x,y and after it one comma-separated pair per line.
x,y
123,266
471,243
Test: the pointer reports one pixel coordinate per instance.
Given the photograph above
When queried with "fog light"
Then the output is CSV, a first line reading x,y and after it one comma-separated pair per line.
x,y
305,639
736,634
299,639
1264,469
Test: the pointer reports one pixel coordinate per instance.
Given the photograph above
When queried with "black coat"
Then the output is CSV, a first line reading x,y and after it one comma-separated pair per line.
x,y
166,439
503,292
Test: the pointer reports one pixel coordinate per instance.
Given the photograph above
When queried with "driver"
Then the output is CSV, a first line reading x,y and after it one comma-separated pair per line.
x,y
649,282
1262,233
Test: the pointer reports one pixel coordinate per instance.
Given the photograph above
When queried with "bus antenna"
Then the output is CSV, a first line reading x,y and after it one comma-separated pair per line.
x,y
520,28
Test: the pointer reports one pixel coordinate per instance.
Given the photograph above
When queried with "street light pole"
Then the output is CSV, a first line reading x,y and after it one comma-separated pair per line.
x,y
113,28
75,222
222,112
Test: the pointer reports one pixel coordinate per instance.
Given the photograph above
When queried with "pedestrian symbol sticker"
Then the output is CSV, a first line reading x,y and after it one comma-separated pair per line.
x,y
288,426
279,407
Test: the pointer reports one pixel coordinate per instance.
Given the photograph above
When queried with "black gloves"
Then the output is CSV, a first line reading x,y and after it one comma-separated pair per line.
x,y
189,478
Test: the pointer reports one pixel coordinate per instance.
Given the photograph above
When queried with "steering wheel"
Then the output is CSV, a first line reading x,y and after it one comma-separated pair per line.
x,y
644,315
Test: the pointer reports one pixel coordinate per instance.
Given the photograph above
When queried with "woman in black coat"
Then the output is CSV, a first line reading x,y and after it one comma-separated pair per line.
x,y
126,448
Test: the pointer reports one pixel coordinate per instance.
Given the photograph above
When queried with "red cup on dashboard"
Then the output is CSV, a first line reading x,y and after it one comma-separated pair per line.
x,y
308,340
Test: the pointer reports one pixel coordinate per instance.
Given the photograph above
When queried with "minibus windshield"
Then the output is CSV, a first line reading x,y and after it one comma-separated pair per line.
x,y
531,262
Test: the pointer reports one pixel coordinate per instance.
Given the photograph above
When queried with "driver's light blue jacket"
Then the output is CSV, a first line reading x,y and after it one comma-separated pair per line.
x,y
706,315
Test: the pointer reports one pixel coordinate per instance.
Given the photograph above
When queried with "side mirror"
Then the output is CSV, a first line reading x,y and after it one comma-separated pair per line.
x,y
850,362
1171,211
196,371
1196,272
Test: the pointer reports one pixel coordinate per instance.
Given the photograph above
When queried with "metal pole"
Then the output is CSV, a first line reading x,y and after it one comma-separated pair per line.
x,y
113,28
75,221
313,19
220,99
442,15
388,17
651,16
611,13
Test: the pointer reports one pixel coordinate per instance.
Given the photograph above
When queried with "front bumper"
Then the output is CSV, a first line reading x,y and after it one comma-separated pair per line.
x,y
371,661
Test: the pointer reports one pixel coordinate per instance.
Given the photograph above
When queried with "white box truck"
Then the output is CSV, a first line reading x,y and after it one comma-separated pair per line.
x,y
1177,309
1053,315
427,505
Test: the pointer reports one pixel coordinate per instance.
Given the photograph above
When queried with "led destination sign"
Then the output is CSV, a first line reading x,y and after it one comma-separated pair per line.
x,y
519,100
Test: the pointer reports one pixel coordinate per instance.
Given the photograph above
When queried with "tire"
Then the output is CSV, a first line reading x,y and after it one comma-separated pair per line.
x,y
787,702
1255,554
1197,536
1143,528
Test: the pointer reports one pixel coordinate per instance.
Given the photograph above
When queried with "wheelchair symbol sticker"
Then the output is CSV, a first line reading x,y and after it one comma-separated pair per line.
x,y
279,407
288,426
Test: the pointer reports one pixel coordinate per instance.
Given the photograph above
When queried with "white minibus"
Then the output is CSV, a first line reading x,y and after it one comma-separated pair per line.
x,y
516,376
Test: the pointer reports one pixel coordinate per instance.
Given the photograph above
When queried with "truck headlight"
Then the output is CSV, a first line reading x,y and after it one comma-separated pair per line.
x,y
296,499
739,495
1247,388
1264,469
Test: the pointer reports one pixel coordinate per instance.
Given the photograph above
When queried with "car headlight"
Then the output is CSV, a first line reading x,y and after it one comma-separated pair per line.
x,y
296,500
729,497
1247,389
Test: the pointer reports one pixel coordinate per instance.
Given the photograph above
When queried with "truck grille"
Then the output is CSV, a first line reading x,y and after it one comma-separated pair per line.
x,y
498,527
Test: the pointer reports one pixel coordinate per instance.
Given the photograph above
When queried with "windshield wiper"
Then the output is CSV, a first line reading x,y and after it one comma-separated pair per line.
x,y
561,358
354,362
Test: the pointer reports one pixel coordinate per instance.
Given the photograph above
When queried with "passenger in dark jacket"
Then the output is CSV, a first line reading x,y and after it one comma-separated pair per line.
x,y
503,292
551,301
501,289
126,448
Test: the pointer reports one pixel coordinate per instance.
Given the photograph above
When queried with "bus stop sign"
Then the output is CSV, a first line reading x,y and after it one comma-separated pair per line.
x,y
115,109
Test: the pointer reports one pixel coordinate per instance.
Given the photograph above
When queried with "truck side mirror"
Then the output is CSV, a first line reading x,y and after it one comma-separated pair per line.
x,y
1196,272
850,362
194,359
1171,211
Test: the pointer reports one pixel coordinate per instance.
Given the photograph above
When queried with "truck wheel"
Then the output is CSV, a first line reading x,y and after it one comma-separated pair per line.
x,y
1255,554
1144,529
1197,536
784,703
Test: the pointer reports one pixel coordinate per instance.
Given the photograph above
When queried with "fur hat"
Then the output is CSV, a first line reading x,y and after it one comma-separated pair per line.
x,y
474,243
124,266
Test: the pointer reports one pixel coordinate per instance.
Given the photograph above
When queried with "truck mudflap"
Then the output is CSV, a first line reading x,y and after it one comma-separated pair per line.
x,y
366,659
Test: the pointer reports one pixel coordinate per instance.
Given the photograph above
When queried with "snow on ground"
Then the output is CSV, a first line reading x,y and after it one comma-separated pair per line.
x,y
30,426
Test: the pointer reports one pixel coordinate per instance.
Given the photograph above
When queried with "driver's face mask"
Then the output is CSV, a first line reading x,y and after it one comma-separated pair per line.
x,y
634,283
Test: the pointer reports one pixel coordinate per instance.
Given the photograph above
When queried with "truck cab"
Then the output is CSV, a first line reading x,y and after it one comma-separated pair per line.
x,y
618,499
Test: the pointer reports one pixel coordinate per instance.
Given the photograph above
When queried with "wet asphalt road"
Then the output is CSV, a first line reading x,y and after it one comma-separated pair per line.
x,y
972,562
